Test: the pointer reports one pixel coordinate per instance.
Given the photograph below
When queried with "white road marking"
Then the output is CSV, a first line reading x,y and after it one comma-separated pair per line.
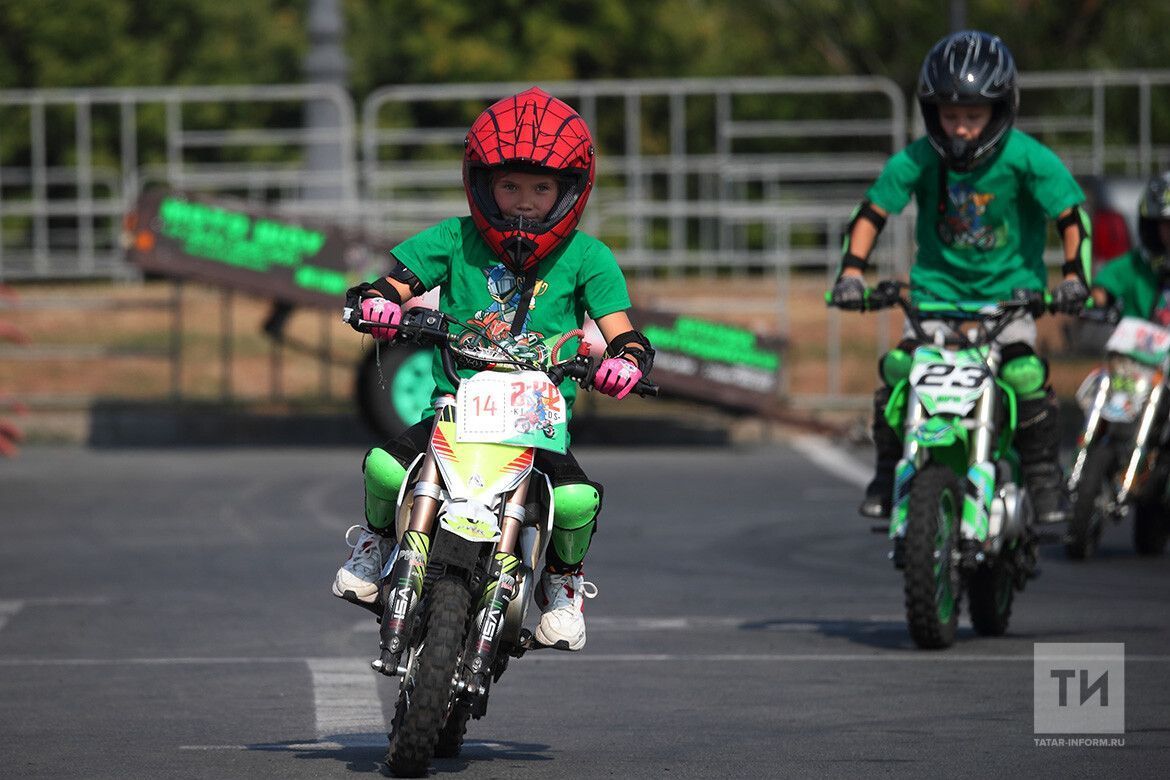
x,y
345,694
67,601
634,624
623,624
8,609
892,657
308,746
359,741
897,656
832,459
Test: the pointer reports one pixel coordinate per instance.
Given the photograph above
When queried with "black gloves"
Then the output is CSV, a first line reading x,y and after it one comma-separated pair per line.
x,y
1069,296
848,293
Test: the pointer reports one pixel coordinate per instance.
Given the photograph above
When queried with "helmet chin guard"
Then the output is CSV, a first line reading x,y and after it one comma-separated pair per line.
x,y
532,132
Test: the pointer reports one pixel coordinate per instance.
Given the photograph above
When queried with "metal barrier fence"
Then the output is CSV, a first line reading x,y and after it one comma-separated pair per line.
x,y
72,161
695,173
698,178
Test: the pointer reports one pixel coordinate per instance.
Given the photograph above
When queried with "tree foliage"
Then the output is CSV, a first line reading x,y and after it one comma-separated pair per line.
x,y
64,43
74,43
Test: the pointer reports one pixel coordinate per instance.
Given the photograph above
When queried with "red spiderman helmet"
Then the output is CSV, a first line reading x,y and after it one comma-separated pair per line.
x,y
536,133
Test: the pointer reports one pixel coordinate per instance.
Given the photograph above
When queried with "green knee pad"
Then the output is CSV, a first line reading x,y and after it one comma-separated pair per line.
x,y
895,366
383,477
1027,375
574,520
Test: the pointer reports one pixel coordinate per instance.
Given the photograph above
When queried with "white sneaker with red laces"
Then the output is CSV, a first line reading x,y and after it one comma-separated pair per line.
x,y
561,598
357,579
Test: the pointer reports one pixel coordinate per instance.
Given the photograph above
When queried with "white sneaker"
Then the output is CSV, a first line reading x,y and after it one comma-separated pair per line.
x,y
561,598
357,579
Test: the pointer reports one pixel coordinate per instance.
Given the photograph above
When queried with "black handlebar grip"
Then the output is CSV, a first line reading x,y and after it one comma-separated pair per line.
x,y
646,388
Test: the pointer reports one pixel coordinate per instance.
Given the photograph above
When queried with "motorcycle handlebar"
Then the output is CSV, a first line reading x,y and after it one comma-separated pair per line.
x,y
1109,315
582,370
429,326
887,294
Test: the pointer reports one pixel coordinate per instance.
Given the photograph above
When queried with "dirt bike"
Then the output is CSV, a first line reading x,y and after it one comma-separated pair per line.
x,y
1123,453
961,520
472,524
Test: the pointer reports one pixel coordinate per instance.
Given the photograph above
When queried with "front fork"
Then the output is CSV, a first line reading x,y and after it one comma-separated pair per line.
x,y
1141,442
981,483
1092,430
402,588
498,592
980,473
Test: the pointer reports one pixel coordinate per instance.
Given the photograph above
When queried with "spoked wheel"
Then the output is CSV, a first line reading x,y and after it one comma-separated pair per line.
x,y
424,700
989,596
1094,494
932,582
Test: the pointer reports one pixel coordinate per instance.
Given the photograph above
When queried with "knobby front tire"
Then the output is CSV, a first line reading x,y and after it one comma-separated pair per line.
x,y
425,697
1088,517
931,574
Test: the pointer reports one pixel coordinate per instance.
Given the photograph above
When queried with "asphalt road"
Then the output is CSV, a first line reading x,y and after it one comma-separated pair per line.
x,y
166,614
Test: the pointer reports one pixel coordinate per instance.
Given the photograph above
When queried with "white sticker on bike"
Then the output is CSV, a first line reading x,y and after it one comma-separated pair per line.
x,y
522,408
1140,339
948,382
943,376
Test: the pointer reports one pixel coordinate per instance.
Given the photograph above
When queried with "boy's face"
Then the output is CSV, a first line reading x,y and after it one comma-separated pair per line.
x,y
965,122
528,195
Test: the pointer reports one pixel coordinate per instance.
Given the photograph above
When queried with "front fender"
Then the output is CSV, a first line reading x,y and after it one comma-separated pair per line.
x,y
946,439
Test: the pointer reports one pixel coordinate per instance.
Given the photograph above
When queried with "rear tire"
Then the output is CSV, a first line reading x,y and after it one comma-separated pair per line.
x,y
393,388
990,591
932,583
1151,525
425,696
1088,516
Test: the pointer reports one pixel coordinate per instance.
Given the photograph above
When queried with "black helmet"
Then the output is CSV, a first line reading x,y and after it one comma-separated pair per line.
x,y
968,68
1154,208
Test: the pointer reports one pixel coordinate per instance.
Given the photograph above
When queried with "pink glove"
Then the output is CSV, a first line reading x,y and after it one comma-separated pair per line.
x,y
616,377
381,310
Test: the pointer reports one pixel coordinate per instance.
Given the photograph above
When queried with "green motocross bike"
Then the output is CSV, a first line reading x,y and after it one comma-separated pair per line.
x,y
962,522
473,519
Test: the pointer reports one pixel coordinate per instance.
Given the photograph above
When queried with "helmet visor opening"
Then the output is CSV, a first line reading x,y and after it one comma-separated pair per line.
x,y
570,183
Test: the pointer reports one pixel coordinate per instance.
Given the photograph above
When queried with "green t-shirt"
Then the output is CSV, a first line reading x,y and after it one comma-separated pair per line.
x,y
988,237
1130,279
581,276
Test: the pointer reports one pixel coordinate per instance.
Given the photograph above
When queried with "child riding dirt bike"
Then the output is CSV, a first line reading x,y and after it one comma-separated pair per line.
x,y
984,192
1139,280
528,171
1123,458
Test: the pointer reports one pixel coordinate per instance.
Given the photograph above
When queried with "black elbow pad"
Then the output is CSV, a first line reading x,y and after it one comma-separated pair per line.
x,y
634,344
400,273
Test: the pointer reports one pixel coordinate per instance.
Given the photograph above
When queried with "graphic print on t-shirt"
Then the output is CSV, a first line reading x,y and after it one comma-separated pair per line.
x,y
965,222
496,320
